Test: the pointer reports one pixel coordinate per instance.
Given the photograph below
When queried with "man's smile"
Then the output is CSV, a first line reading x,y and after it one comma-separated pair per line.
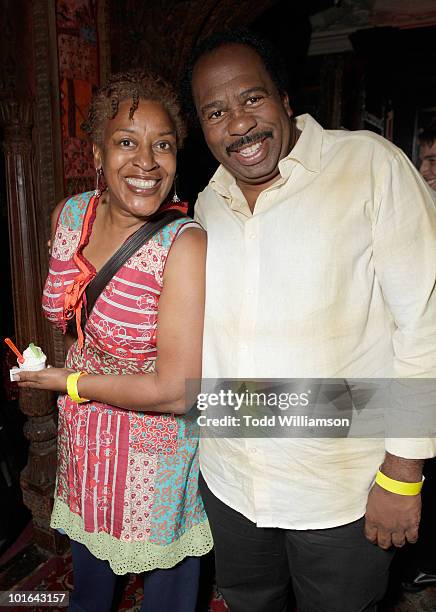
x,y
242,145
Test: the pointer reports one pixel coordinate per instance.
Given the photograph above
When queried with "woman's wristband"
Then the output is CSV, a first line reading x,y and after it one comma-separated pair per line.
x,y
72,387
397,486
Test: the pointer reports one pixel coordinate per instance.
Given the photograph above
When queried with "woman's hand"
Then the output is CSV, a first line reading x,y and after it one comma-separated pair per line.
x,y
51,379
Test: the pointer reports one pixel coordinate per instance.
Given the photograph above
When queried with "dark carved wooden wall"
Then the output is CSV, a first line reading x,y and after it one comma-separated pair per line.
x,y
29,142
160,34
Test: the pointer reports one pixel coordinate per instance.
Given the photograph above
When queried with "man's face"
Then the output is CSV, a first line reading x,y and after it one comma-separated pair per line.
x,y
245,121
427,167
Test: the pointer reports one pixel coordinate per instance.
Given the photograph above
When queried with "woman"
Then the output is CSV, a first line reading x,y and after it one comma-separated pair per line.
x,y
126,491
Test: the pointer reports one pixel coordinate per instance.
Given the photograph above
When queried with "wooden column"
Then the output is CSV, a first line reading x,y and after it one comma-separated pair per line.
x,y
38,477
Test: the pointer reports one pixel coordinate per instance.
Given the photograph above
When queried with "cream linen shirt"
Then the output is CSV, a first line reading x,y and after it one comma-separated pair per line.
x,y
331,276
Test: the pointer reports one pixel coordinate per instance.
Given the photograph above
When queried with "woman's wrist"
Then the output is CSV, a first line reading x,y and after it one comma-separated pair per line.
x,y
72,387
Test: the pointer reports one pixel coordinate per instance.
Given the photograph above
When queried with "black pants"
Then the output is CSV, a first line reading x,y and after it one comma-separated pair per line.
x,y
328,570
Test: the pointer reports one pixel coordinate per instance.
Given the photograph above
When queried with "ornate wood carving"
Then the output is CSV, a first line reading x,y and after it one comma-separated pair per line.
x,y
404,13
37,479
333,26
47,140
348,15
7,53
160,34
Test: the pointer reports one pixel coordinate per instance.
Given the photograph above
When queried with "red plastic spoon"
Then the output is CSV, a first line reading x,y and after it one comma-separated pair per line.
x,y
13,348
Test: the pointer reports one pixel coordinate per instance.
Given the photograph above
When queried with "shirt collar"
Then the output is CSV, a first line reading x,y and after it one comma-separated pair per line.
x,y
223,182
307,152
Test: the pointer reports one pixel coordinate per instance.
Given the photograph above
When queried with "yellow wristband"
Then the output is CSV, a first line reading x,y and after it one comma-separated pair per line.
x,y
397,486
72,387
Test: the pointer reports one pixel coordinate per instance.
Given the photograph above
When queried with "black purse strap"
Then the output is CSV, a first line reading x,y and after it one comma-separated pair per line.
x,y
129,248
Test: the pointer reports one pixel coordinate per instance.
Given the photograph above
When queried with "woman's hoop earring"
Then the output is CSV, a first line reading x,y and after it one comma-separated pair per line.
x,y
98,175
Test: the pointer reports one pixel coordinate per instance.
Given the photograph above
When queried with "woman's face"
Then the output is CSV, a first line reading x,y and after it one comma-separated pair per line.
x,y
138,157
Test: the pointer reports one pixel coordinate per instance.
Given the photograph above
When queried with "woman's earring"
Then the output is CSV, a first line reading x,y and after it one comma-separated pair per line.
x,y
175,196
98,175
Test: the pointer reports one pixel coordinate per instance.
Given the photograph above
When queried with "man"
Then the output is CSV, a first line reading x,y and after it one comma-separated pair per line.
x,y
313,259
427,157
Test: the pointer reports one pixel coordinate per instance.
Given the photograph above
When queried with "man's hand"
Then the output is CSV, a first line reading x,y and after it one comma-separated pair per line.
x,y
392,519
51,379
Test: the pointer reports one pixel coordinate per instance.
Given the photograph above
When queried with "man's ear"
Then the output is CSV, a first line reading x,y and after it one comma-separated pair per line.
x,y
288,109
98,156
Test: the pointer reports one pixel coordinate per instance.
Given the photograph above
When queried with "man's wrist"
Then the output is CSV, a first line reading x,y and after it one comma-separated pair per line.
x,y
401,469
397,486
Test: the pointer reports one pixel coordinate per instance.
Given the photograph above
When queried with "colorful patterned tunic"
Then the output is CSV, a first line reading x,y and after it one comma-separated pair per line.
x,y
126,481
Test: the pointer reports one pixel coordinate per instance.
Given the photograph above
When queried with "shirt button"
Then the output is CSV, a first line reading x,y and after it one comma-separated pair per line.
x,y
250,291
253,451
252,236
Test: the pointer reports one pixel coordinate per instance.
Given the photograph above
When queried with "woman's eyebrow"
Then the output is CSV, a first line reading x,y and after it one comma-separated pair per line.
x,y
129,130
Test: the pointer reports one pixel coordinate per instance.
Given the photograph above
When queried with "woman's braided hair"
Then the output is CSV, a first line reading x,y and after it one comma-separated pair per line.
x,y
134,86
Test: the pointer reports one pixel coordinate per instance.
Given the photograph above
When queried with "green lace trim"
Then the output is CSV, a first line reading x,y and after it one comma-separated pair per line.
x,y
134,557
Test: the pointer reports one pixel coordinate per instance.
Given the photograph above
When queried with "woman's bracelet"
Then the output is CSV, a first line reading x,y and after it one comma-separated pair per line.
x,y
72,387
397,486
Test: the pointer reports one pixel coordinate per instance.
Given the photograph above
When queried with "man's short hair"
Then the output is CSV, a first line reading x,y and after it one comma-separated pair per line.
x,y
270,56
428,135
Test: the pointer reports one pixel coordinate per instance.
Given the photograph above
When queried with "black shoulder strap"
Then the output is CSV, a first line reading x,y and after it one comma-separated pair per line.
x,y
129,248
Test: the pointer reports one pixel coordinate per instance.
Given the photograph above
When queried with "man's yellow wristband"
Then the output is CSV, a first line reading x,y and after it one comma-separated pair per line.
x,y
396,486
72,387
